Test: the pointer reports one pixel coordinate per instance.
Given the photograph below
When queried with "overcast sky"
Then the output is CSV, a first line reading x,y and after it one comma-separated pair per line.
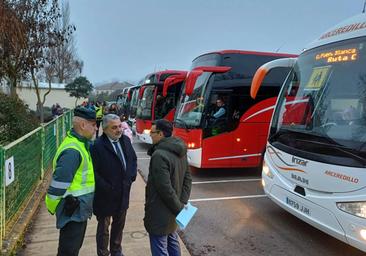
x,y
123,40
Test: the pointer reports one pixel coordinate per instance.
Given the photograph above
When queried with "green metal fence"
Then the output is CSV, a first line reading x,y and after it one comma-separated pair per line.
x,y
50,143
60,129
27,156
68,121
32,156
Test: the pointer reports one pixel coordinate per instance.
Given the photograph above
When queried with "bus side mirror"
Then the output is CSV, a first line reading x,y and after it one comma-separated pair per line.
x,y
129,95
141,92
171,80
263,70
191,80
196,72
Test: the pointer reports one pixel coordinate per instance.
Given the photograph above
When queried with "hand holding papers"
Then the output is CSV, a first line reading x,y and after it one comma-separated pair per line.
x,y
185,215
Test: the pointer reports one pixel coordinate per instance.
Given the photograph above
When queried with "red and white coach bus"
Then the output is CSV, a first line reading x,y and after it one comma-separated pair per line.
x,y
221,124
133,108
127,102
158,98
315,161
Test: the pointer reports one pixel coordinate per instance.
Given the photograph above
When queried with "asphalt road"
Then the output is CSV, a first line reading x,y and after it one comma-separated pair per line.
x,y
235,218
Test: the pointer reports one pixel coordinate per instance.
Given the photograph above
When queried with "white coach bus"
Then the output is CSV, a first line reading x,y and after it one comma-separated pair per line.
x,y
315,159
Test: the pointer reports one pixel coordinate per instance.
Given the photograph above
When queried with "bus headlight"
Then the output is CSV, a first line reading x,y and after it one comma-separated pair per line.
x,y
146,131
354,208
266,170
263,183
363,234
191,145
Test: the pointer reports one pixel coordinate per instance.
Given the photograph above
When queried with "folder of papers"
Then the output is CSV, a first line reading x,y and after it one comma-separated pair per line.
x,y
185,216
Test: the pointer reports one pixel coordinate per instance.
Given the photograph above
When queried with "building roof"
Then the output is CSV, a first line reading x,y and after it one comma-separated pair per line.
x,y
43,85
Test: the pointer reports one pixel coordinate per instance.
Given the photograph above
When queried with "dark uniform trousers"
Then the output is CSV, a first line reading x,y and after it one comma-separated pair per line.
x,y
71,238
118,223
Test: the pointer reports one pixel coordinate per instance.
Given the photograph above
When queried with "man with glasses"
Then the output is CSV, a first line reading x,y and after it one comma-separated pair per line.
x,y
168,188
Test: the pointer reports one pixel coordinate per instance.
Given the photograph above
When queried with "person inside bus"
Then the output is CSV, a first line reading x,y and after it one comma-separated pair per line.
x,y
218,118
220,109
159,112
349,115
167,105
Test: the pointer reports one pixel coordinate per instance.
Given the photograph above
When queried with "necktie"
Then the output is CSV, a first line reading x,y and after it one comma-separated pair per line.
x,y
119,154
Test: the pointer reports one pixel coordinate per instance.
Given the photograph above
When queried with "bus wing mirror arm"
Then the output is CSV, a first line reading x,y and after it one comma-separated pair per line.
x,y
263,70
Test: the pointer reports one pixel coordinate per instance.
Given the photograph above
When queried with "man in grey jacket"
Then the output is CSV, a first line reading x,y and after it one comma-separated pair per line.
x,y
168,188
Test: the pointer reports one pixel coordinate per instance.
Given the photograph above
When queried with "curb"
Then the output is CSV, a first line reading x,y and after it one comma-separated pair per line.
x,y
14,237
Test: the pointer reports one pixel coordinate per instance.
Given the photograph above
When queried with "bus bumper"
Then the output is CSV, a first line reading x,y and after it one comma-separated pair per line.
x,y
317,210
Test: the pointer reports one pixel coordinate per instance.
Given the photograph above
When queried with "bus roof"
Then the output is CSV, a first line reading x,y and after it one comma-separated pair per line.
x,y
133,87
158,75
347,29
249,53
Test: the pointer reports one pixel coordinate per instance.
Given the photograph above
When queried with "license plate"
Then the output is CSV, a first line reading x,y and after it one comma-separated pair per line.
x,y
297,206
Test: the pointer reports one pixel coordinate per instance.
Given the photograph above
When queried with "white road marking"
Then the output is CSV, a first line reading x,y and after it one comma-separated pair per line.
x,y
223,181
143,158
226,198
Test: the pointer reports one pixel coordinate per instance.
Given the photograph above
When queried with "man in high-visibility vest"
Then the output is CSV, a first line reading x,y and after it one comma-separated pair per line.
x,y
71,192
99,113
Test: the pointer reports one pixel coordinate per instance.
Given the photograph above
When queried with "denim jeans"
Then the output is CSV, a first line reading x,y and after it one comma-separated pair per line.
x,y
165,245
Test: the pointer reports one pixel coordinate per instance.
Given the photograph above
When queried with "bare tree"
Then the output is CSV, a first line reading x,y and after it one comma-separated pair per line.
x,y
66,64
13,39
43,36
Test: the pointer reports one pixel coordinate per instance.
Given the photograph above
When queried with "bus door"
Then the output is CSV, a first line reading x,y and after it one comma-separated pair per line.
x,y
245,127
217,142
166,106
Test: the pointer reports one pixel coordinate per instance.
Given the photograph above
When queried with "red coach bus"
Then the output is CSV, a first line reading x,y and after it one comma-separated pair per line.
x,y
158,98
221,124
130,103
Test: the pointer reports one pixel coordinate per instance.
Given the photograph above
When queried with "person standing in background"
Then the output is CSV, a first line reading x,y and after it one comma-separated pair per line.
x,y
99,114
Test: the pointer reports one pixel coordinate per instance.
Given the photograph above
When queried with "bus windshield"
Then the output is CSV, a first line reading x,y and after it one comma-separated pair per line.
x,y
134,102
145,104
322,106
191,107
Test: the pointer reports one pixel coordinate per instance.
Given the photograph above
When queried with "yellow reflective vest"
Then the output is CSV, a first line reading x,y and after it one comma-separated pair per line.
x,y
83,182
99,112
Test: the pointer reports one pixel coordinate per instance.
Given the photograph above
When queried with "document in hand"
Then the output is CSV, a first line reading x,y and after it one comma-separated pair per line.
x,y
185,216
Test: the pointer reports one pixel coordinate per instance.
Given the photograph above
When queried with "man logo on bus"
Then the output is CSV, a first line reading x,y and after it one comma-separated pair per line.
x,y
299,161
299,178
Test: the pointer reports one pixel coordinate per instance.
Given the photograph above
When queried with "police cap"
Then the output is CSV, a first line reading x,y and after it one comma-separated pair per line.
x,y
85,113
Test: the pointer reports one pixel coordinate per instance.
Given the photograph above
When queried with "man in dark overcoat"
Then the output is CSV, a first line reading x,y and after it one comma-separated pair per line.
x,y
115,168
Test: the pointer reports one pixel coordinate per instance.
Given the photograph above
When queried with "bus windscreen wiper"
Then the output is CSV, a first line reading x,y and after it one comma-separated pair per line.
x,y
181,121
346,151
